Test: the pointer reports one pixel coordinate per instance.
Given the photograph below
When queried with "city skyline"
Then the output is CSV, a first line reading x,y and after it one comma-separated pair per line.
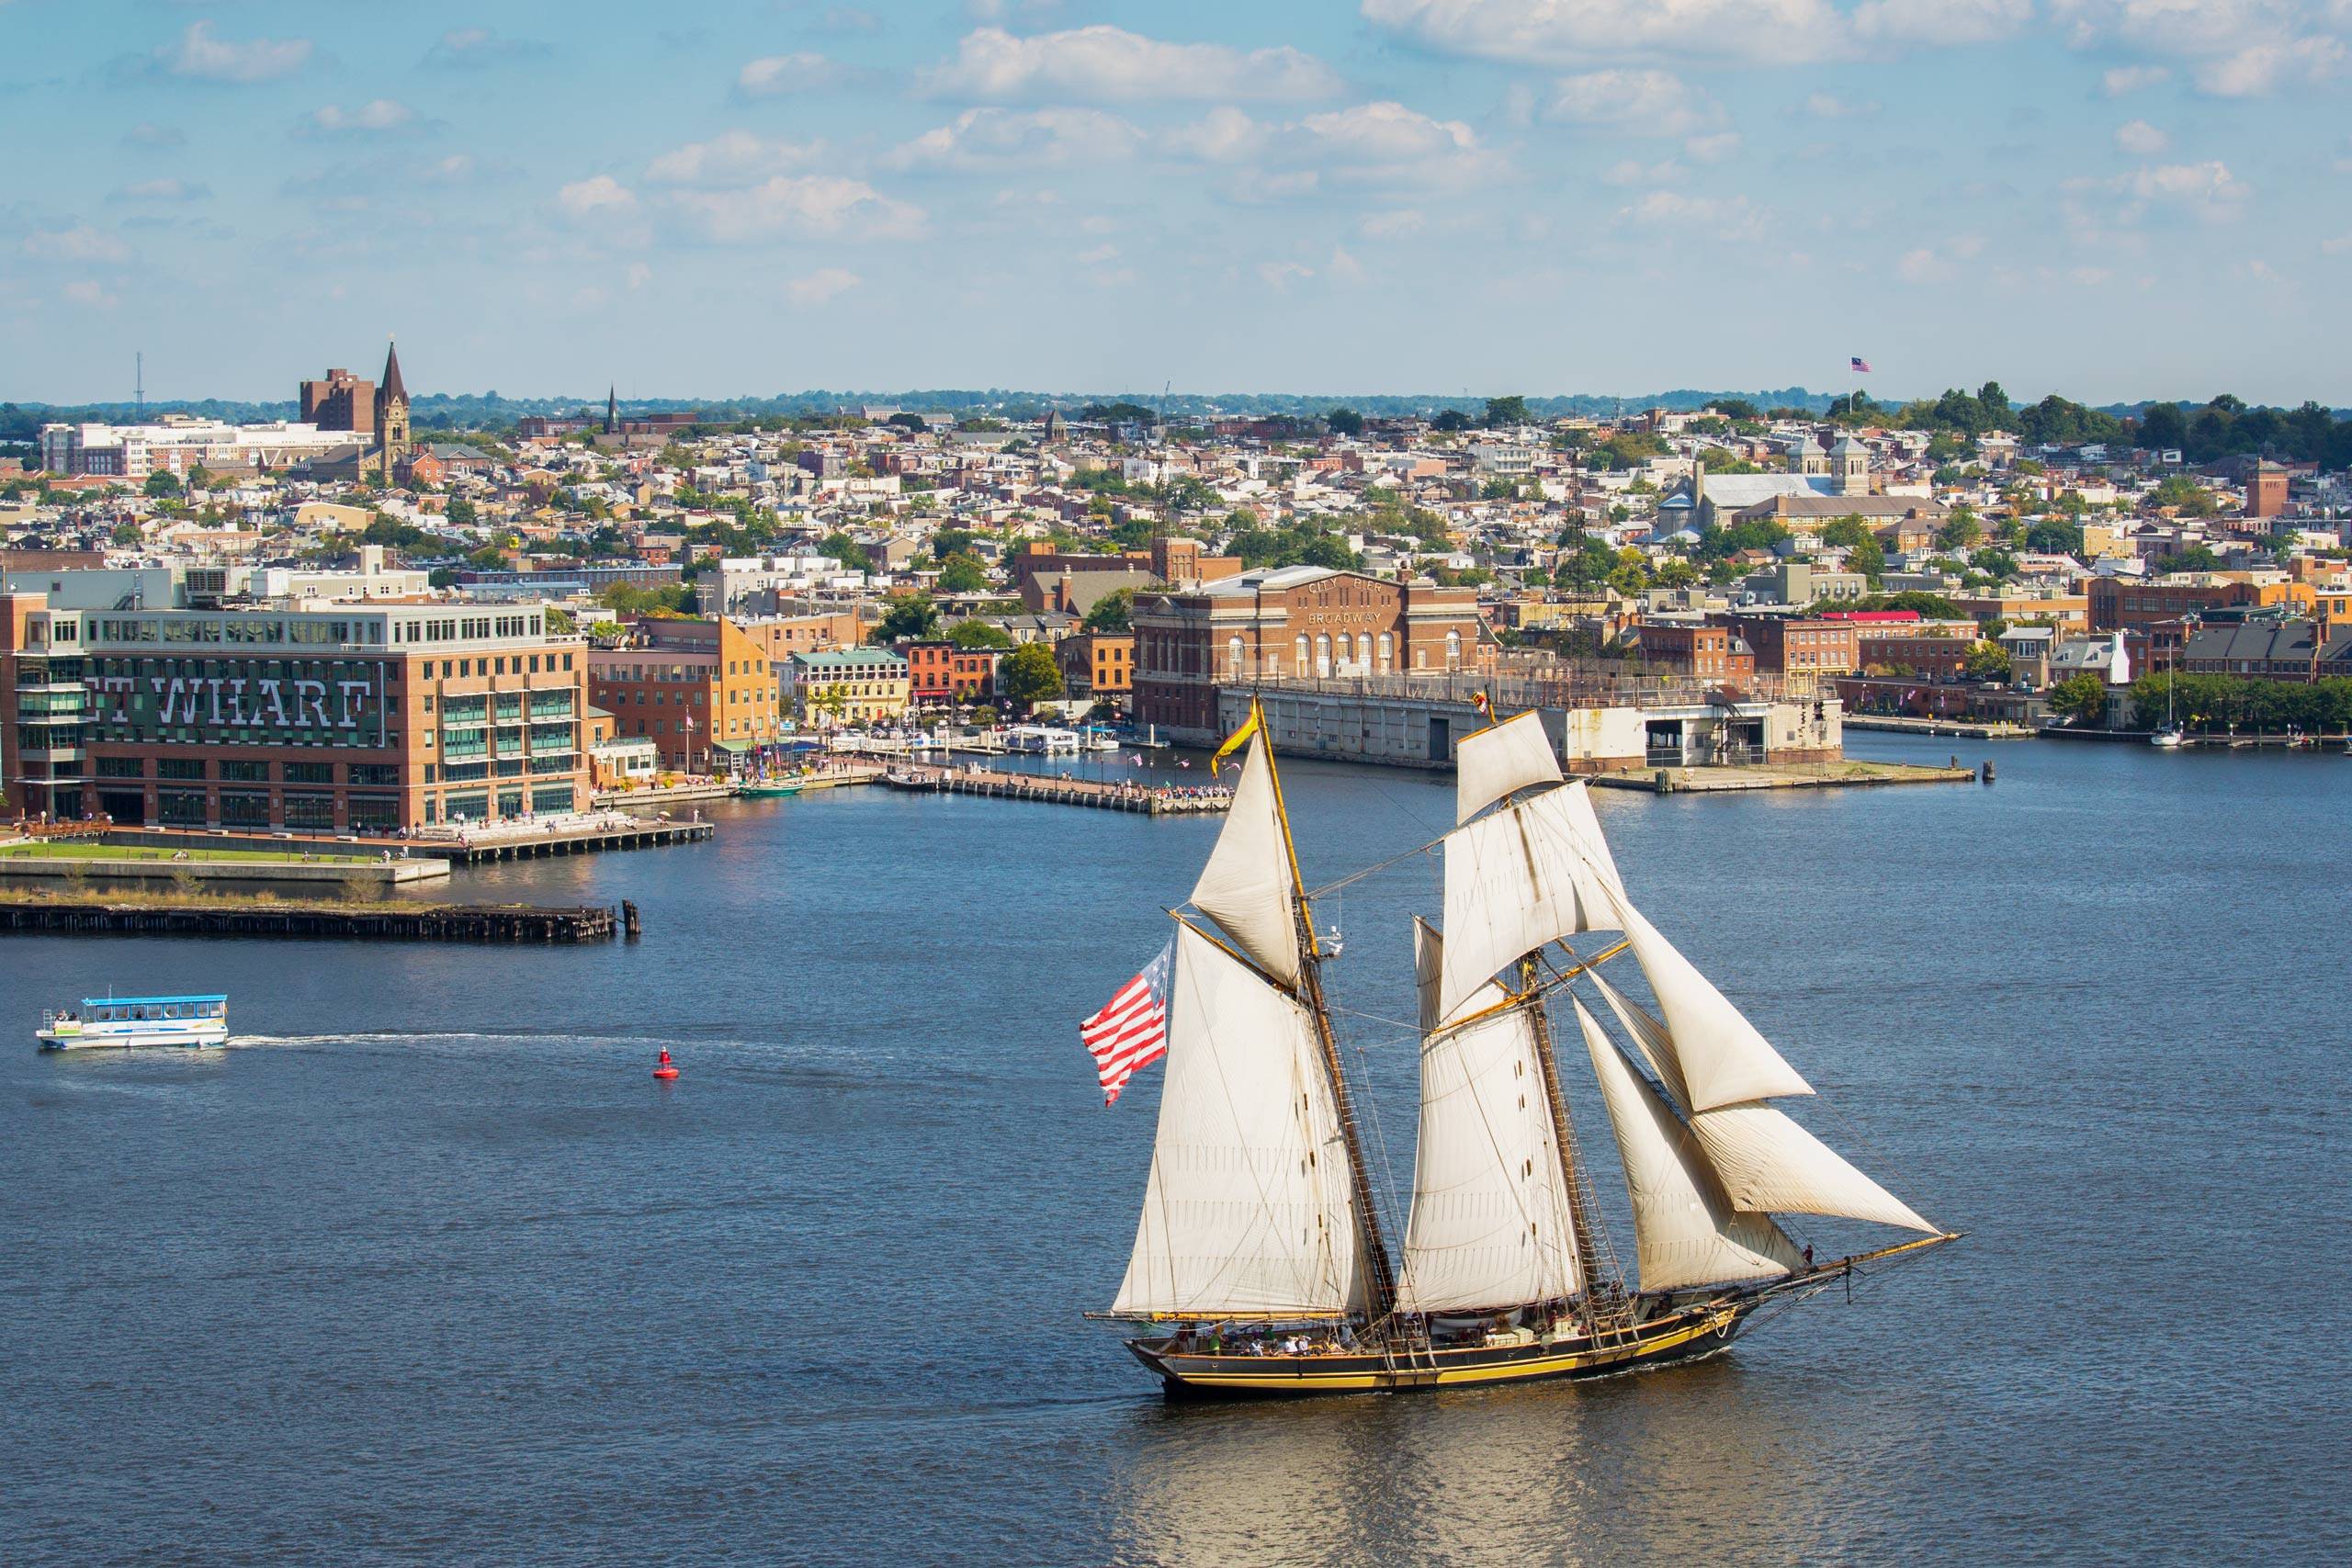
x,y
2113,199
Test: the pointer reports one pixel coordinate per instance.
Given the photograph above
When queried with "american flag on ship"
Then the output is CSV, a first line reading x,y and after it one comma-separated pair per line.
x,y
1131,1031
1860,365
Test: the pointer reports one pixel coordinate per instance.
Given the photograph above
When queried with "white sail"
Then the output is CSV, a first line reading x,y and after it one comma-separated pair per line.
x,y
1686,1232
1723,1059
1249,1209
1491,1225
1246,887
1517,880
1513,755
1769,1163
1649,1037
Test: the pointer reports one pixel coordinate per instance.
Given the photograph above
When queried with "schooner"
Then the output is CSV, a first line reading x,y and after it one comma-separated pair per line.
x,y
1260,1265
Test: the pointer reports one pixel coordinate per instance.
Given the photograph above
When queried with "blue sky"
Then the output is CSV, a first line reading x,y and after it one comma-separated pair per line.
x,y
2115,198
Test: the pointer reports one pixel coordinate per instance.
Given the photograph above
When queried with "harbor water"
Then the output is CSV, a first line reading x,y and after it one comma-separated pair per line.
x,y
426,1267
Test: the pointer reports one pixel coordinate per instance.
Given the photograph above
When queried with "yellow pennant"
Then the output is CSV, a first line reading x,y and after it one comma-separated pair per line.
x,y
1240,738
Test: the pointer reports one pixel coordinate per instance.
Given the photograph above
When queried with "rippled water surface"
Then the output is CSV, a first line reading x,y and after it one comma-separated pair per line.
x,y
427,1268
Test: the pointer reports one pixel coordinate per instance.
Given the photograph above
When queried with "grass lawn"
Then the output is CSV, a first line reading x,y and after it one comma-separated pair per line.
x,y
83,849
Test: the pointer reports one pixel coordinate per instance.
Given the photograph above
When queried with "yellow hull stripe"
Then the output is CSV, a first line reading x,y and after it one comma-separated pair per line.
x,y
1508,1372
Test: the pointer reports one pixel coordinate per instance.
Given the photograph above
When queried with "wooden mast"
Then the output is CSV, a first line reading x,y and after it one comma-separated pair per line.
x,y
1380,1277
1564,1139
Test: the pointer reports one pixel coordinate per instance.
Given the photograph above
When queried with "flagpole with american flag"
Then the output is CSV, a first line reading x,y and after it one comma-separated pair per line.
x,y
1129,1032
1861,367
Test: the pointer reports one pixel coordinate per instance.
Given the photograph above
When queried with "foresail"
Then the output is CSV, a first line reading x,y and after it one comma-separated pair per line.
x,y
1649,1037
1518,880
1686,1232
1247,1211
1769,1163
1246,887
1723,1059
1513,755
1491,1225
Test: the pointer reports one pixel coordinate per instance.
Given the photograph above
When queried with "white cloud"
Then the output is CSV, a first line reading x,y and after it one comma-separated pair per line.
x,y
200,57
1634,172
1633,103
991,137
1941,21
732,157
774,74
2131,78
476,48
2104,211
84,292
81,242
825,282
1279,275
1827,106
1924,265
1728,218
2207,188
2140,139
1343,266
637,276
1104,63
1392,225
1713,149
1371,145
2339,247
597,194
1554,32
377,116
2232,48
147,133
161,190
826,205
1097,255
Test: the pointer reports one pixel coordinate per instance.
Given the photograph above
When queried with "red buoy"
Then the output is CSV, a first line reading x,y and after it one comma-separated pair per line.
x,y
665,1068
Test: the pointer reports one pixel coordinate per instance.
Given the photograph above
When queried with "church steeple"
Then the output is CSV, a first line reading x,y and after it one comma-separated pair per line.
x,y
392,386
613,410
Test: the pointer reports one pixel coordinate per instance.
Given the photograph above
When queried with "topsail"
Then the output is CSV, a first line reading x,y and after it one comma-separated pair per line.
x,y
1246,887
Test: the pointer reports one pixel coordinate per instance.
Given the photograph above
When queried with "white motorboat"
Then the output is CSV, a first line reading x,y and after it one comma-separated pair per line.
x,y
137,1020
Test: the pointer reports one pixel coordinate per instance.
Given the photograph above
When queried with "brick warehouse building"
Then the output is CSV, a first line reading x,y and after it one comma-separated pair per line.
x,y
703,691
337,717
1288,622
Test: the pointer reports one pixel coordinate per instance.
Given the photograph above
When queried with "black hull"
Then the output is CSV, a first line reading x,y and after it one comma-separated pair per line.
x,y
1198,1375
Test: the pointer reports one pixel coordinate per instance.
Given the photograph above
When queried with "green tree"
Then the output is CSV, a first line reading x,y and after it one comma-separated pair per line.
x,y
1451,420
2082,698
963,574
1511,410
844,550
460,512
907,617
1344,421
1960,530
161,486
977,633
1845,532
1112,613
1029,675
1986,661
2196,558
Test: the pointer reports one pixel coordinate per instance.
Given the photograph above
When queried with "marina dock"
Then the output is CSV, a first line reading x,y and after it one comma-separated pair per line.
x,y
1057,791
619,833
1789,775
1993,730
389,921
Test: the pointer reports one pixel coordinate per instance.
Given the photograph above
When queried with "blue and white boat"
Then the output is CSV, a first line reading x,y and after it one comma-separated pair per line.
x,y
137,1020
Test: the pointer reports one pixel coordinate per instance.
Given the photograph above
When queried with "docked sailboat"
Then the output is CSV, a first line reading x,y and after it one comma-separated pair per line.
x,y
1259,1264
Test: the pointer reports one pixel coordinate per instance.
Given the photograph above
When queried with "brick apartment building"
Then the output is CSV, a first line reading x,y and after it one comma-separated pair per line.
x,y
703,691
1097,664
1710,651
1799,644
346,717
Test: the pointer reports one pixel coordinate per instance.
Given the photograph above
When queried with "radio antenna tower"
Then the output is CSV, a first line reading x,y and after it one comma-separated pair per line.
x,y
139,380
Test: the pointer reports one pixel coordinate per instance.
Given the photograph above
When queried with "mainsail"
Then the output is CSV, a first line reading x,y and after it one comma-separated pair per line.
x,y
1247,1211
1246,887
1491,1222
1686,1232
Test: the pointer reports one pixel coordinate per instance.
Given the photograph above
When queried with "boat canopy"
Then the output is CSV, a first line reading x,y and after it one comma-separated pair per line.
x,y
143,1001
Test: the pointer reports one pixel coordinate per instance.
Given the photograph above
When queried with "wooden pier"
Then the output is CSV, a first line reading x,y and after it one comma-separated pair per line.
x,y
375,922
580,840
1057,791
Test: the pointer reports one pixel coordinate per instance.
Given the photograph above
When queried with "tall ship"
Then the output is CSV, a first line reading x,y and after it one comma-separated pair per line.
x,y
1261,1266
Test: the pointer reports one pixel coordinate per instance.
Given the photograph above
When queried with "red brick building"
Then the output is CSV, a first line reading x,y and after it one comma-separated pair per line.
x,y
1289,621
1709,650
1799,644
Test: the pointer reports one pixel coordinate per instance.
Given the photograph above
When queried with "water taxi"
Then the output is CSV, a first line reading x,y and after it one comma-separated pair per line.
x,y
1042,740
137,1020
